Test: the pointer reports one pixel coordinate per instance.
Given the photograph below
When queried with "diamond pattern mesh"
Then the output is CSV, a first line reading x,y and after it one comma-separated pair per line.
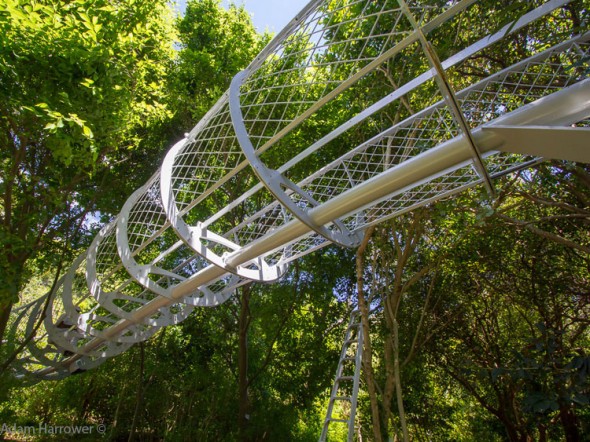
x,y
342,96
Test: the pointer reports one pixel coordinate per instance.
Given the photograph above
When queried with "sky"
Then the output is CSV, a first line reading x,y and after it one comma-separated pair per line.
x,y
266,14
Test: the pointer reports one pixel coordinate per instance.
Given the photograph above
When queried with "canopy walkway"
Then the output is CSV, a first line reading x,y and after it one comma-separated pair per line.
x,y
266,178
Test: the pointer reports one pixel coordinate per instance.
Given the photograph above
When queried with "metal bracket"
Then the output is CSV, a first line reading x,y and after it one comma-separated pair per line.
x,y
198,237
276,182
450,98
560,143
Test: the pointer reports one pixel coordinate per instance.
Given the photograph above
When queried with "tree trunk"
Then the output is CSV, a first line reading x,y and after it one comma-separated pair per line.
x,y
389,387
542,433
367,351
368,369
122,392
511,432
87,400
398,382
5,310
569,423
139,396
389,358
511,428
11,280
243,382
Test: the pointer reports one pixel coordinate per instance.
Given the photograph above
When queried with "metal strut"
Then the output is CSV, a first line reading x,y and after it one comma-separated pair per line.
x,y
346,383
450,98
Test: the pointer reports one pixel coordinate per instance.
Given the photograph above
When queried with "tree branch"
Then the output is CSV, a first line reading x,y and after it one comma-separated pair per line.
x,y
544,234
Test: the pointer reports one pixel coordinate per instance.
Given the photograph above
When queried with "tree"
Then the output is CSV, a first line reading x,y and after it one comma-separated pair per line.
x,y
518,346
479,311
81,82
214,44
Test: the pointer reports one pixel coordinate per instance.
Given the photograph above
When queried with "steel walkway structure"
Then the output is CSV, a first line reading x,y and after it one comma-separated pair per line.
x,y
266,177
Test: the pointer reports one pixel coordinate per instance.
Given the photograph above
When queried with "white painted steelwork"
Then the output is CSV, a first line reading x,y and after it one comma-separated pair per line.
x,y
350,116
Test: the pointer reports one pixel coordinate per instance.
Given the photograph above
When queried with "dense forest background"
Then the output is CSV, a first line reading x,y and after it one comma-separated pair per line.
x,y
476,311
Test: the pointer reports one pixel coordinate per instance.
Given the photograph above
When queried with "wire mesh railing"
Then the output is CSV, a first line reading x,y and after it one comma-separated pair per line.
x,y
356,112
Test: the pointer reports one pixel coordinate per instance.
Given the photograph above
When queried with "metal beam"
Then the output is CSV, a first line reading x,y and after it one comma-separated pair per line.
x,y
558,143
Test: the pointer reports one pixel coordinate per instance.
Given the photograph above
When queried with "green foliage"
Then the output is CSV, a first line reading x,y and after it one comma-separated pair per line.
x,y
214,45
79,84
82,76
518,343
491,298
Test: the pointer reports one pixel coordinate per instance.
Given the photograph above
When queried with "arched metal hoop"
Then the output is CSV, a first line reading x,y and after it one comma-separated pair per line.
x,y
150,325
138,271
36,351
199,237
277,183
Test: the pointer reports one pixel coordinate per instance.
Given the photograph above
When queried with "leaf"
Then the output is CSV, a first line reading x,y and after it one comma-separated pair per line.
x,y
87,82
581,399
87,131
539,402
497,372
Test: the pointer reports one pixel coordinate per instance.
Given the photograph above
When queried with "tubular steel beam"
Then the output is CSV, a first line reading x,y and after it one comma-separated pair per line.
x,y
559,143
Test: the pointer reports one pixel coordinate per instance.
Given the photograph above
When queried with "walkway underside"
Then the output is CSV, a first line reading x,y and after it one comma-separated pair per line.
x,y
352,115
